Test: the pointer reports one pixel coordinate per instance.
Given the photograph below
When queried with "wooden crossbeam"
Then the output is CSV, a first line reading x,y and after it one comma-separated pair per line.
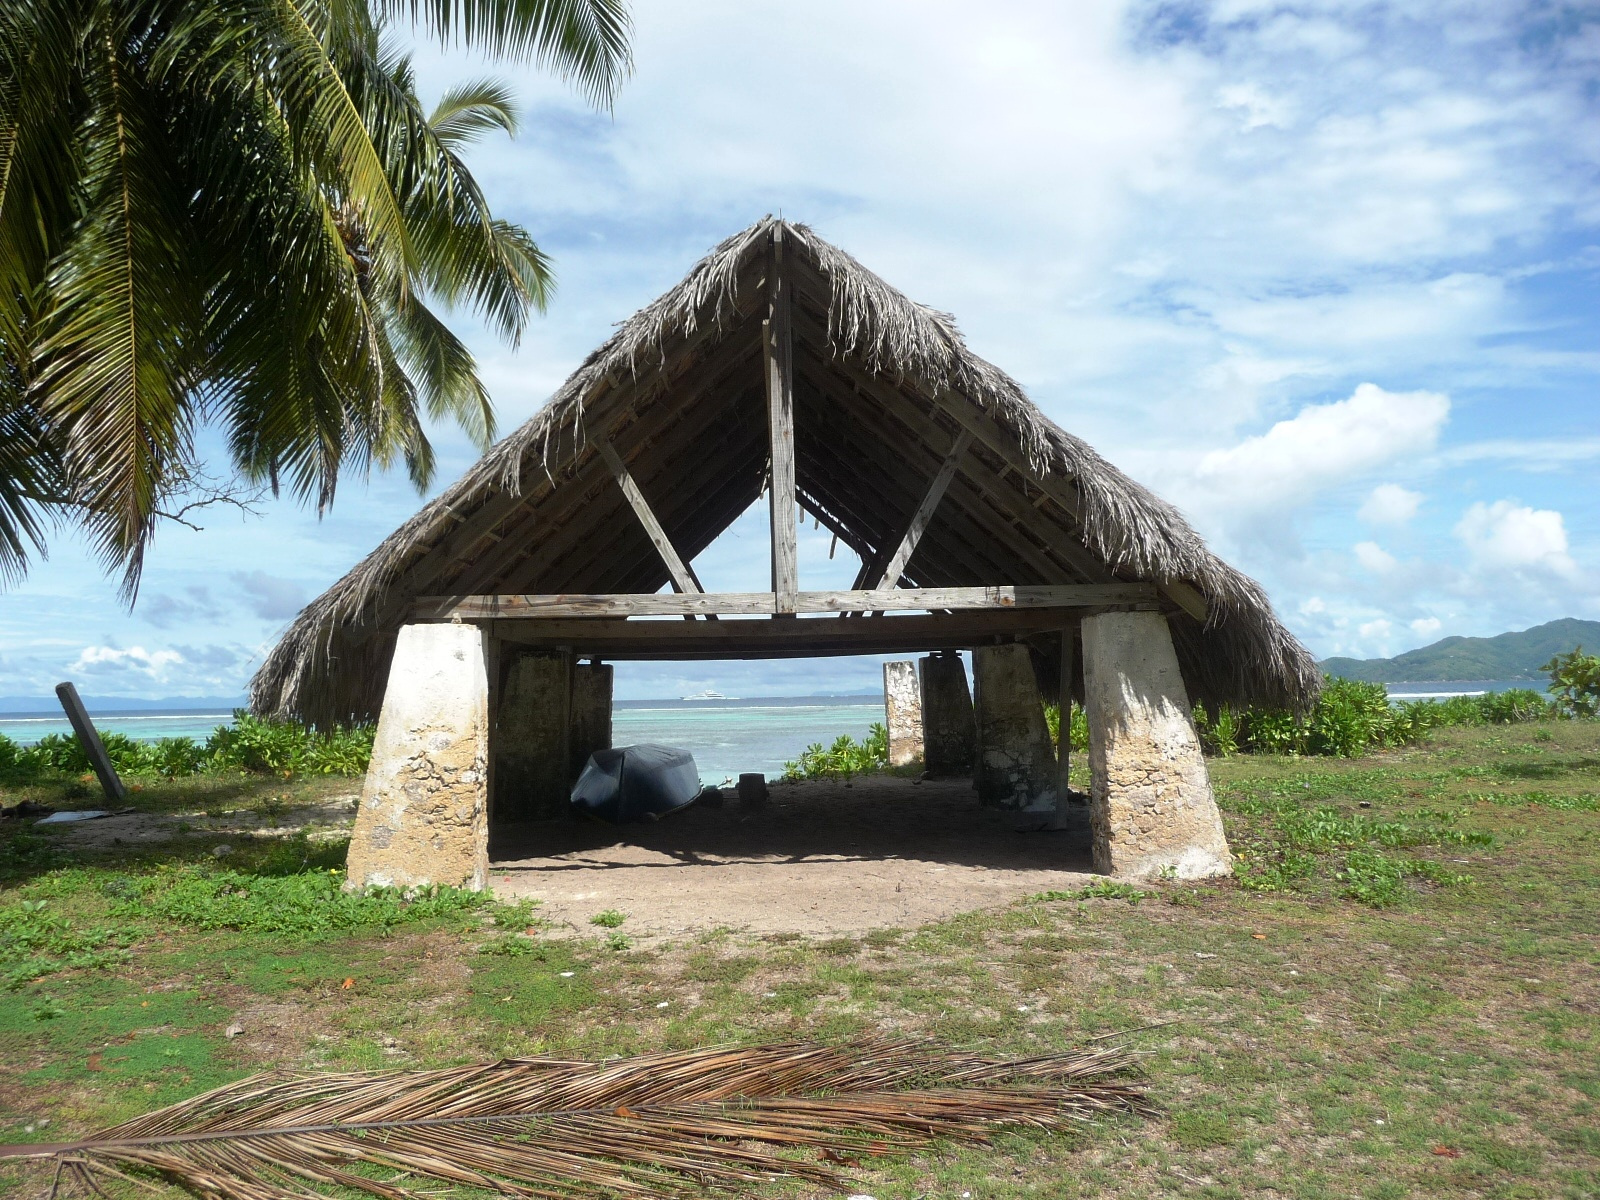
x,y
803,637
683,576
1075,595
924,513
778,352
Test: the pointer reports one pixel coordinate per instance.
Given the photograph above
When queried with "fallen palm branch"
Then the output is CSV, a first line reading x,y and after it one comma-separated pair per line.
x,y
632,1127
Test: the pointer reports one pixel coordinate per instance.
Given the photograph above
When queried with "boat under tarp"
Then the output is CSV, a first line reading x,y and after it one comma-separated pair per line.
x,y
636,783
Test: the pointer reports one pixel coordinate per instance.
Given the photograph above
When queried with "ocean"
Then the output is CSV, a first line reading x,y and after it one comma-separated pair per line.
x,y
726,737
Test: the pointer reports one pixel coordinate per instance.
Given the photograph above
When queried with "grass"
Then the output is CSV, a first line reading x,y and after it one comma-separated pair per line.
x,y
1397,996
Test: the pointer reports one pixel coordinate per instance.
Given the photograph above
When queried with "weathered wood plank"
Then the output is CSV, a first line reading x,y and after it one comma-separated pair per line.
x,y
801,637
89,739
682,577
919,519
779,355
477,608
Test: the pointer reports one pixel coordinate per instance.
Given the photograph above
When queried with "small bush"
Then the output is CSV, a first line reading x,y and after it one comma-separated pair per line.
x,y
248,746
1575,680
845,758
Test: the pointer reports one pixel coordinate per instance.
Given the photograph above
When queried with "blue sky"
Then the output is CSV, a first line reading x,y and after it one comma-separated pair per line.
x,y
1324,274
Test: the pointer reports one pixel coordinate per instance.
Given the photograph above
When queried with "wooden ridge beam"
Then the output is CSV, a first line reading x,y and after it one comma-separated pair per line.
x,y
500,607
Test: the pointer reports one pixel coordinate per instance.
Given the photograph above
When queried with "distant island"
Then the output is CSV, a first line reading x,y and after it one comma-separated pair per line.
x,y
1506,656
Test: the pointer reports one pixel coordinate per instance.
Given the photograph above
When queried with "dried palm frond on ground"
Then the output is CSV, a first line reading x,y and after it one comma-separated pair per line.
x,y
641,1126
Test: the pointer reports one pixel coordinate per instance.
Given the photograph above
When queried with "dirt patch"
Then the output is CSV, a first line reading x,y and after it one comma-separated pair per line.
x,y
821,857
333,816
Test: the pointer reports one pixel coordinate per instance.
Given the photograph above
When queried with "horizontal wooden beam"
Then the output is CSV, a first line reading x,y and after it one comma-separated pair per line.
x,y
756,604
804,637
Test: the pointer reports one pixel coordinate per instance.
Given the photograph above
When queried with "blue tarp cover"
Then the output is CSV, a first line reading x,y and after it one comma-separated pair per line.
x,y
636,783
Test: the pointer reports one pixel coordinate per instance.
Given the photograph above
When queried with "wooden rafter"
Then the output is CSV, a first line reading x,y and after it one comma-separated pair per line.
x,y
683,576
924,513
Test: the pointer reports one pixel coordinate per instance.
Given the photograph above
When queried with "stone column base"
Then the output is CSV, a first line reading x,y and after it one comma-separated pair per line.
x,y
1015,764
424,816
947,730
1151,804
902,707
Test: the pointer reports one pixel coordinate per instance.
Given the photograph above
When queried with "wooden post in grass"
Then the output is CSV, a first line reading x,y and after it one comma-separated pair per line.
x,y
93,747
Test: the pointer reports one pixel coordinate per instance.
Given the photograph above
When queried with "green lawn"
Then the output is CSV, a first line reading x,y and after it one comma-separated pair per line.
x,y
1398,996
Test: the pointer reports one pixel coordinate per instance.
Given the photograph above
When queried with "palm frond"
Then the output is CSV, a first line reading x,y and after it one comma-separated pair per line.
x,y
465,112
584,41
644,1126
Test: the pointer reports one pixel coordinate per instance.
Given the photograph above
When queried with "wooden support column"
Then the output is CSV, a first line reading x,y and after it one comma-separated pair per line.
x,y
778,353
93,748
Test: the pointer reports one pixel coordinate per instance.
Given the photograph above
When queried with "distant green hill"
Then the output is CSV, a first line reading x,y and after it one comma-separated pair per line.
x,y
1506,656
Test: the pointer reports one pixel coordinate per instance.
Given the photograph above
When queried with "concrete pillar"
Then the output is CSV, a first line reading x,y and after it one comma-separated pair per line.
x,y
533,736
1151,805
902,704
591,713
1015,762
424,816
947,733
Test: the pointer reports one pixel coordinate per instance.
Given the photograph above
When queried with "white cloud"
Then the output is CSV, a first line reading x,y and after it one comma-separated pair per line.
x,y
1375,631
1374,558
1426,626
1507,536
1389,504
1323,445
100,659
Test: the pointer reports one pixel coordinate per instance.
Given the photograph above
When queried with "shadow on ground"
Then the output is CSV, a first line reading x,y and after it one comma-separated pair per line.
x,y
820,856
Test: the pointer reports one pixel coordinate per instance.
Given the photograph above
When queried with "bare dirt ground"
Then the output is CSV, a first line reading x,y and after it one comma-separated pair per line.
x,y
821,857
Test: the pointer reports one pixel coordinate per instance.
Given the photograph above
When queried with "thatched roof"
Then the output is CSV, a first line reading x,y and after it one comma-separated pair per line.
x,y
883,386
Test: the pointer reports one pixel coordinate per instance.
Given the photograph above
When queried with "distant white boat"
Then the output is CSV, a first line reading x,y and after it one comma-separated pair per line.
x,y
708,695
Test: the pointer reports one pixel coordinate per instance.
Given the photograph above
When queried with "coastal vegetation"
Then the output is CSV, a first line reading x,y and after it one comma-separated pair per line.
x,y
1393,996
248,745
238,215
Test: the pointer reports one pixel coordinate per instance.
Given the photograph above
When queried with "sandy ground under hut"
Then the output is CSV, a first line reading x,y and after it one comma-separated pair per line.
x,y
822,857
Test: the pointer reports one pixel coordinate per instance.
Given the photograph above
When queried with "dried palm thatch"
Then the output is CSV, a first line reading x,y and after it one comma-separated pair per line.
x,y
884,385
646,1126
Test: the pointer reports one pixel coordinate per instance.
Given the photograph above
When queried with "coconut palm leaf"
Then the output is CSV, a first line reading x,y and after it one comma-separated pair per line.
x,y
229,214
646,1126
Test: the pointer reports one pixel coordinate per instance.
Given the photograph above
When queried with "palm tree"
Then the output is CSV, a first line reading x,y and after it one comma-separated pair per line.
x,y
230,213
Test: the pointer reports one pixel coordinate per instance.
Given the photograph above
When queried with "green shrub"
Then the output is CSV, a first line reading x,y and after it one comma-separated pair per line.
x,y
1079,731
1271,731
1350,716
1575,680
846,757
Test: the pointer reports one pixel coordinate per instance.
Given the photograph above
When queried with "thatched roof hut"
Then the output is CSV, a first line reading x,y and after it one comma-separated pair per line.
x,y
886,397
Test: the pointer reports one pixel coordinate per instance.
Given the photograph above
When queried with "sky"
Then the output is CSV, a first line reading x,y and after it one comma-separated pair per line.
x,y
1323,274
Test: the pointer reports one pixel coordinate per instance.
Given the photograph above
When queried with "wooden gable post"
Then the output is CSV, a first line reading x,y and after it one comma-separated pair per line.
x,y
778,354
